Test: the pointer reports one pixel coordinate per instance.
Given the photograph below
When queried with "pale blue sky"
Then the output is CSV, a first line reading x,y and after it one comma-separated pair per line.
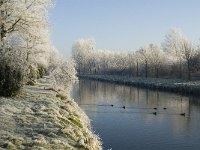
x,y
121,25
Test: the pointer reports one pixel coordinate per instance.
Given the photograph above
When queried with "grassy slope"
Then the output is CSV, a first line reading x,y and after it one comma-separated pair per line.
x,y
174,85
37,119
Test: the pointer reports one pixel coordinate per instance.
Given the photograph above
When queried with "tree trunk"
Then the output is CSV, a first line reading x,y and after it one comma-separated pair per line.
x,y
130,71
1,40
156,71
3,36
27,56
189,70
137,73
90,70
146,69
180,69
79,69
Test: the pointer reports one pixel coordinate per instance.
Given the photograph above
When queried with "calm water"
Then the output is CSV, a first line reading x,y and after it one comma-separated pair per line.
x,y
136,127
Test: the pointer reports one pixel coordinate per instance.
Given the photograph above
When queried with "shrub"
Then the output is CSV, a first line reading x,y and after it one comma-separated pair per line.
x,y
13,72
33,72
64,75
41,72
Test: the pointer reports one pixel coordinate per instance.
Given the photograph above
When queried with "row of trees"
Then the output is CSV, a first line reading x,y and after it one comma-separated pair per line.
x,y
25,47
176,57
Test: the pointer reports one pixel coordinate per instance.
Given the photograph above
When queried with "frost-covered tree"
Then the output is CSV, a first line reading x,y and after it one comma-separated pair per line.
x,y
23,28
180,47
189,51
82,53
131,62
156,58
137,60
53,59
145,57
22,17
26,23
173,45
64,74
176,55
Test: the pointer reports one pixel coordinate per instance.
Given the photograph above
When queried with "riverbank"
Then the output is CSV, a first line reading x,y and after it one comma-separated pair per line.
x,y
39,118
172,85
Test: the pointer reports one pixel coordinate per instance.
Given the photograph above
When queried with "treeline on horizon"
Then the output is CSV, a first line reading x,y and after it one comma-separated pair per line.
x,y
176,57
26,51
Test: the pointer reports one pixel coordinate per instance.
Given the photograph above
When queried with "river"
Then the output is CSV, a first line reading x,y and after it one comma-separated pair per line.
x,y
130,118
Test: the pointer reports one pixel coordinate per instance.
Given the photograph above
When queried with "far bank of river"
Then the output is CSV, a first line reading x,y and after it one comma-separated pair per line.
x,y
172,85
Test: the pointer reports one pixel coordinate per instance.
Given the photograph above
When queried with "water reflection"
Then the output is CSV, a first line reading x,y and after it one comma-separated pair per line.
x,y
118,127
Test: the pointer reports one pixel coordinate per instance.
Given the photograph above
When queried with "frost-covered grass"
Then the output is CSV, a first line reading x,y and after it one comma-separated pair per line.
x,y
37,119
174,85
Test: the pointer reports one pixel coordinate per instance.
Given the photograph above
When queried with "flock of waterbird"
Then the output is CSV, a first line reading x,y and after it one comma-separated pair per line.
x,y
155,108
124,107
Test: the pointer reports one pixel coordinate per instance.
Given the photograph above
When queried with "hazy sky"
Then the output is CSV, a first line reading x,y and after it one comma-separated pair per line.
x,y
121,25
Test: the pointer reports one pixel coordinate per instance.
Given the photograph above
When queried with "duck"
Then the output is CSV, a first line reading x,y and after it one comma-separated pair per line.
x,y
165,108
155,113
124,107
111,105
182,114
155,108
